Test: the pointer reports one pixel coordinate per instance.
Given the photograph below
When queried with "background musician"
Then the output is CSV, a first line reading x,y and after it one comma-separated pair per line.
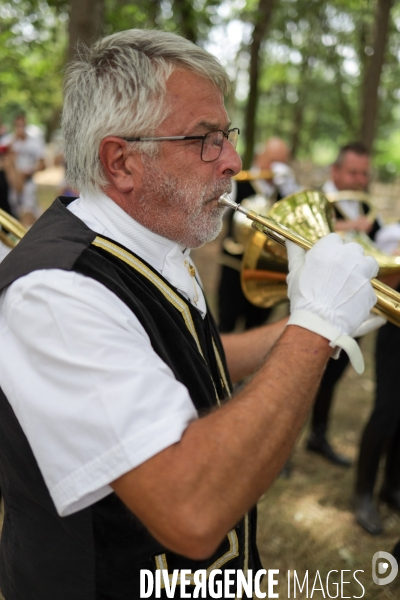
x,y
350,172
25,157
381,435
232,303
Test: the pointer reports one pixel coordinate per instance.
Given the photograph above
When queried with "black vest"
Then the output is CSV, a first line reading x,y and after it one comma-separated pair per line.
x,y
97,553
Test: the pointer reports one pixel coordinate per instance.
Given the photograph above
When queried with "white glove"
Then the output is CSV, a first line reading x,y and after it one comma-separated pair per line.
x,y
372,323
330,291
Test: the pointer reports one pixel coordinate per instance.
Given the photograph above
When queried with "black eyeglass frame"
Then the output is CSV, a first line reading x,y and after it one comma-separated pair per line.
x,y
175,138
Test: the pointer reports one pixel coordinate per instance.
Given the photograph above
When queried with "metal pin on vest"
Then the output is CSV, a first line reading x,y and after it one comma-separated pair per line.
x,y
192,273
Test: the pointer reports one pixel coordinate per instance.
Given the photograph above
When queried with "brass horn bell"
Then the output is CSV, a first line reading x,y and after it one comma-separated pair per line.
x,y
264,265
11,230
303,218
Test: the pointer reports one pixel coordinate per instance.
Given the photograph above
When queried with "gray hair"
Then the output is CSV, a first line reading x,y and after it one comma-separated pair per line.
x,y
118,87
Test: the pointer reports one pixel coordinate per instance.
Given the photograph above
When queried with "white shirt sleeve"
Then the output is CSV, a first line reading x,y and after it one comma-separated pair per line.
x,y
90,393
387,238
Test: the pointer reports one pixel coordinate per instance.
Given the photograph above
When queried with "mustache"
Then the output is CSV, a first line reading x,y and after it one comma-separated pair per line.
x,y
219,188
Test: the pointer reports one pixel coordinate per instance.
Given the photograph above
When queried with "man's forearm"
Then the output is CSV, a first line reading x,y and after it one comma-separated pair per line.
x,y
225,461
245,352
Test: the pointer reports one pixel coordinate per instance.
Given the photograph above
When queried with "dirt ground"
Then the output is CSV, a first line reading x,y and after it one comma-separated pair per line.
x,y
305,521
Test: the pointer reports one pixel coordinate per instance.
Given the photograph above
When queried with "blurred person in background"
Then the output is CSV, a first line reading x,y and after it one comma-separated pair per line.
x,y
26,157
349,172
4,189
233,306
381,435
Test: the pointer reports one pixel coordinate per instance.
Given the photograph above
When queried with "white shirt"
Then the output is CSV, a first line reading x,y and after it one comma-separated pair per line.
x,y
350,209
284,181
28,151
90,393
387,238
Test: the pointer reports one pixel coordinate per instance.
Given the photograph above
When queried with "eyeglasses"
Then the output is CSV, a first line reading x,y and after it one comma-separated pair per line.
x,y
212,143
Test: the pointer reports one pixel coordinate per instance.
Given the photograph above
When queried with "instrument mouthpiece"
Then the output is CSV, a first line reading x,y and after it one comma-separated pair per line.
x,y
226,201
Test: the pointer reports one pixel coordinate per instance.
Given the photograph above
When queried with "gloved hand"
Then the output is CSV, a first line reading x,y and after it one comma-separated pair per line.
x,y
372,323
330,291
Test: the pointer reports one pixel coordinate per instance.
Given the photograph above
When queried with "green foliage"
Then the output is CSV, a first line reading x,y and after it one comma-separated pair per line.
x,y
33,43
32,46
314,60
313,63
192,19
124,14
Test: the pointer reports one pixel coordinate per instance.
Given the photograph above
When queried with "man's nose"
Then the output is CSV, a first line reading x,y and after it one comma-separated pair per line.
x,y
229,162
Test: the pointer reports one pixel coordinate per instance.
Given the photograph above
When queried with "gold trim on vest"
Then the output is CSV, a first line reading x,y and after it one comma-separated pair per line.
x,y
169,294
224,379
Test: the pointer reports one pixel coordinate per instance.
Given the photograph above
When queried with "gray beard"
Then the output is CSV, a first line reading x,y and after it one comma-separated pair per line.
x,y
197,224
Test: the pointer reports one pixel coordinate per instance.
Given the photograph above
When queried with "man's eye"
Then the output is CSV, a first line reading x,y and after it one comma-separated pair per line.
x,y
217,142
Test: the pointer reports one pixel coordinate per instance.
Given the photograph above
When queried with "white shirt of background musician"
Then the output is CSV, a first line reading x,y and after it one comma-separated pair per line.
x,y
387,238
283,181
350,209
78,368
28,152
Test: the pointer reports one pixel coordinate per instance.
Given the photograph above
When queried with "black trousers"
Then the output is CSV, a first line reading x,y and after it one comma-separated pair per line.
x,y
382,432
324,397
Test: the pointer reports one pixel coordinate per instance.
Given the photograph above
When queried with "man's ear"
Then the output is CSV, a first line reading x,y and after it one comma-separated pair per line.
x,y
120,167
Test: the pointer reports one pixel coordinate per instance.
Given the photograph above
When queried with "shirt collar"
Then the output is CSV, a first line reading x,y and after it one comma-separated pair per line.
x,y
104,216
128,232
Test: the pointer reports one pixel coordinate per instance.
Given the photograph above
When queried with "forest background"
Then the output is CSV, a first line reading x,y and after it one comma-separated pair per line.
x,y
318,73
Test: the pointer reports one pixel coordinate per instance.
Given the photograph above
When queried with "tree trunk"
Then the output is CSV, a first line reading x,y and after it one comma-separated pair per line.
x,y
85,23
298,109
373,73
187,14
262,20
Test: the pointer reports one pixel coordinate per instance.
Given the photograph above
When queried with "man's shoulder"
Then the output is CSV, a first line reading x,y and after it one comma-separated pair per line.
x,y
55,241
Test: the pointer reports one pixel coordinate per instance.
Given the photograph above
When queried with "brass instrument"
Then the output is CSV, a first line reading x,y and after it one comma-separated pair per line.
x,y
11,230
302,218
354,195
253,175
241,230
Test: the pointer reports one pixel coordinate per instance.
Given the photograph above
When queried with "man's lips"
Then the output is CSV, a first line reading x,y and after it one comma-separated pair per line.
x,y
219,193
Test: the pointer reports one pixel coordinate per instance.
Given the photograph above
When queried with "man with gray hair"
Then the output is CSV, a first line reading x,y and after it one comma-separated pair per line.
x,y
119,455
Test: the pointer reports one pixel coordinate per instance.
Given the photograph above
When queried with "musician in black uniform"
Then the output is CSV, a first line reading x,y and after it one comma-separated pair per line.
x,y
351,171
232,303
381,434
120,454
